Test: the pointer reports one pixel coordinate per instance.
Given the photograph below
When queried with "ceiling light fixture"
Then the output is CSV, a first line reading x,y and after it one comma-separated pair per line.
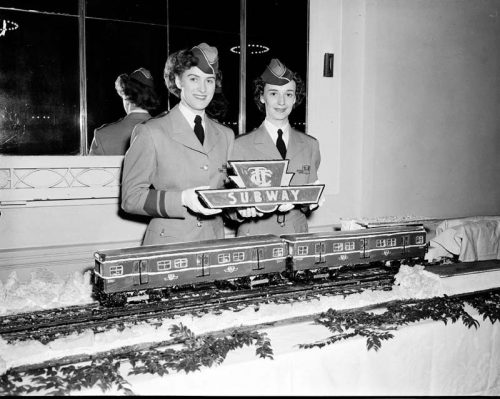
x,y
252,49
6,25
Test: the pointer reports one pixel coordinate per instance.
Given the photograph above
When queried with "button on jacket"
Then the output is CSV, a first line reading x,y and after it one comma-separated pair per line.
x,y
165,157
304,159
114,138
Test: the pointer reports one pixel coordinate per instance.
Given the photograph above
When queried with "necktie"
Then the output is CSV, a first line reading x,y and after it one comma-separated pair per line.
x,y
198,129
281,144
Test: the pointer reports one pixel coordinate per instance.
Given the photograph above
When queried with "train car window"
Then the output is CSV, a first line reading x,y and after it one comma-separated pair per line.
x,y
238,256
338,246
180,263
380,243
277,252
349,245
224,258
406,240
164,265
419,240
391,242
116,270
302,250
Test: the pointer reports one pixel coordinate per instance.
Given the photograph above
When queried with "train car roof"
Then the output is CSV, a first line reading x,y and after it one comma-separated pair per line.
x,y
187,247
353,233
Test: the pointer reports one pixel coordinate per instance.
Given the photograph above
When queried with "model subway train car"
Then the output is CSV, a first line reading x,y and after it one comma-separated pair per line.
x,y
157,267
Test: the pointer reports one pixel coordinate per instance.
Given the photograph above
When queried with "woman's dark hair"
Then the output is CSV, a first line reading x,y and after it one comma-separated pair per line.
x,y
258,91
179,62
137,93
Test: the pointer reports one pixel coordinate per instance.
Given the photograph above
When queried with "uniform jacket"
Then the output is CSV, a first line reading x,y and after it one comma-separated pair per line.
x,y
114,138
165,158
304,159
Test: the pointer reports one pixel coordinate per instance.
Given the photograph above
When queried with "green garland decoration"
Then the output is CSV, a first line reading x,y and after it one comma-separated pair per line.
x,y
378,327
196,352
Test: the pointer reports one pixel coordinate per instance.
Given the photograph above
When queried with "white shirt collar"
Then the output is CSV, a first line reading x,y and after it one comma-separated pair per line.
x,y
190,115
273,131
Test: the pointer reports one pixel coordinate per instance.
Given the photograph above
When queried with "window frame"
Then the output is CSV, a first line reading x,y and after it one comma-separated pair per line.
x,y
302,250
83,113
161,265
224,258
115,270
181,263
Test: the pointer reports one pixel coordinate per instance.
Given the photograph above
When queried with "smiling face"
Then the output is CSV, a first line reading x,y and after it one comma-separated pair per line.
x,y
197,88
279,101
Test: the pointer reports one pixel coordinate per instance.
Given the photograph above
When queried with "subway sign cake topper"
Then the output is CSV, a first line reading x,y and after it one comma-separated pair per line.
x,y
262,184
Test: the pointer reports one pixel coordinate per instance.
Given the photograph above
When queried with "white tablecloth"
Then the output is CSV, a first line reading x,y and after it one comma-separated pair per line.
x,y
426,358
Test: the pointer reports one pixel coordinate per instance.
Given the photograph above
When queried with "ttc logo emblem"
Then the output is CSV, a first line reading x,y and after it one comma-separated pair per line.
x,y
262,184
260,175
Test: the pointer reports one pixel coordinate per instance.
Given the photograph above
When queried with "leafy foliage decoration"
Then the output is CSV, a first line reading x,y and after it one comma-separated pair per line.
x,y
377,327
198,351
104,372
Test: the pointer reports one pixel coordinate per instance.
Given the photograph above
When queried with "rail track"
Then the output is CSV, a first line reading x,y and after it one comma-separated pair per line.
x,y
48,325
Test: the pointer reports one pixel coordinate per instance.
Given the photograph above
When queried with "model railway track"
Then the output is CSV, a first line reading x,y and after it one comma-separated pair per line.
x,y
46,326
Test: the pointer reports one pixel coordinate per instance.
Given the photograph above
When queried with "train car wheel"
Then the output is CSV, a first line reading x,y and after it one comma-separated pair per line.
x,y
155,295
116,300
276,279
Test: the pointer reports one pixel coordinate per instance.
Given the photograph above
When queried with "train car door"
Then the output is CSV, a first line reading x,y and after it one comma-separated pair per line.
x,y
319,252
406,242
363,248
257,258
203,263
140,272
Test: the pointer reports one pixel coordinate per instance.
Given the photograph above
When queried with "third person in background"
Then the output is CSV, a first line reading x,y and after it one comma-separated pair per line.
x,y
137,92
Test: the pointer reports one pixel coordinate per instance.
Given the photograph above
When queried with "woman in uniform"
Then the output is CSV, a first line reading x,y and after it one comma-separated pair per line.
x,y
178,152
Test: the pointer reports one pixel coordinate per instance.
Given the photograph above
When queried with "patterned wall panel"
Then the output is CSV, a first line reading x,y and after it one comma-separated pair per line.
x,y
49,178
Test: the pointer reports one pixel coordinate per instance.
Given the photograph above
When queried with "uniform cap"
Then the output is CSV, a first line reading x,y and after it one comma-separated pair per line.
x,y
142,75
276,73
208,59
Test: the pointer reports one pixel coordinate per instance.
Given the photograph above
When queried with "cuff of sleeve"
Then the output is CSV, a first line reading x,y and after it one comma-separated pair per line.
x,y
162,203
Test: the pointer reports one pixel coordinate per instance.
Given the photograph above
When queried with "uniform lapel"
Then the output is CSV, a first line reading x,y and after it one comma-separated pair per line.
x,y
182,132
211,135
295,144
265,144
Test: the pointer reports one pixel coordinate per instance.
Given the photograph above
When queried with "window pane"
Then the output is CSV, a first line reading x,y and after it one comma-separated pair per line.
x,y
217,24
39,85
281,26
113,48
56,6
150,11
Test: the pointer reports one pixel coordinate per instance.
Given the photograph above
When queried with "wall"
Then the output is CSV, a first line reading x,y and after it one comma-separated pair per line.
x,y
55,212
417,127
408,125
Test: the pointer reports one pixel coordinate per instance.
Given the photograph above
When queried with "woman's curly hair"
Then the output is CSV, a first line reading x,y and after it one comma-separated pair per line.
x,y
137,93
258,91
179,62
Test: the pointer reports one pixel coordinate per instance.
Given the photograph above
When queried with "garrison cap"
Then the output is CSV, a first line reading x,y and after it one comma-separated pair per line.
x,y
208,59
276,73
142,75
